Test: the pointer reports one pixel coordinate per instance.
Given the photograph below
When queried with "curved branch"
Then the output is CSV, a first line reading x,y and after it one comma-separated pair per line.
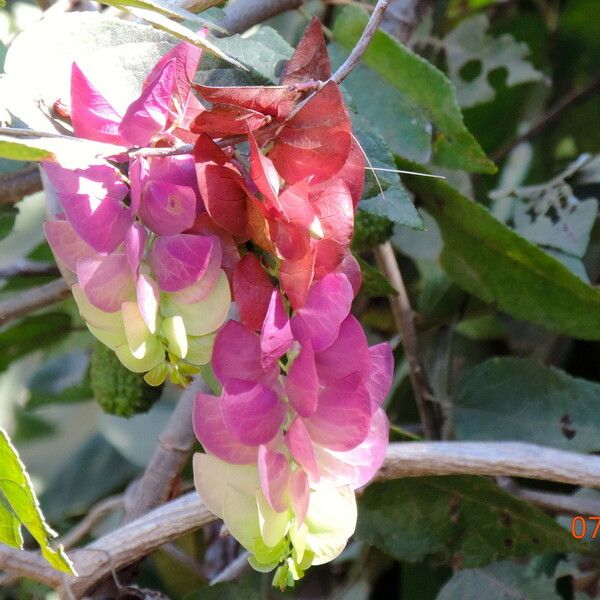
x,y
243,14
18,184
24,303
138,538
513,459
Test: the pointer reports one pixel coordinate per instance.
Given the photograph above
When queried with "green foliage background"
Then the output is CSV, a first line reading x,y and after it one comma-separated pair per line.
x,y
501,260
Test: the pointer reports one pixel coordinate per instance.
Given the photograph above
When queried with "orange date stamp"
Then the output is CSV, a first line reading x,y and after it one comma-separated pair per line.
x,y
581,526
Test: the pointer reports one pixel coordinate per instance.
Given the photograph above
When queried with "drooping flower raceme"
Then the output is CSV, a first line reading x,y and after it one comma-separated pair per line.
x,y
154,239
298,421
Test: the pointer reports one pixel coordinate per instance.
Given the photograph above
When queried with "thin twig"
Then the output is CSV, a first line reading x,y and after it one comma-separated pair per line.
x,y
233,570
243,14
361,46
21,304
99,512
18,184
404,317
571,99
561,503
29,268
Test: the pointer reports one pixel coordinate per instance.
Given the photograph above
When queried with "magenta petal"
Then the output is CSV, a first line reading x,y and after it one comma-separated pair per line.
x,y
167,208
276,337
107,281
327,305
298,441
103,224
379,381
336,362
274,471
236,355
180,260
135,244
97,181
357,466
214,435
204,286
67,246
252,411
351,269
302,383
343,416
138,175
92,116
186,58
148,115
180,170
300,493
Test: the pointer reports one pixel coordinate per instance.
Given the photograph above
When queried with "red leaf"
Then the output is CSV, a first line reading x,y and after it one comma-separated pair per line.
x,y
352,174
274,101
310,60
335,211
265,178
223,120
252,291
221,188
292,242
316,142
204,225
295,278
258,226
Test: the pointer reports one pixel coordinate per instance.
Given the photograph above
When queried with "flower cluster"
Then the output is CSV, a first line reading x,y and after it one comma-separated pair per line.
x,y
154,239
150,283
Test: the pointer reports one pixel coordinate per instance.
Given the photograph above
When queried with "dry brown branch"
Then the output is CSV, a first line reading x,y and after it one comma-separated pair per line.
x,y
173,450
139,538
240,15
513,459
18,184
404,318
28,301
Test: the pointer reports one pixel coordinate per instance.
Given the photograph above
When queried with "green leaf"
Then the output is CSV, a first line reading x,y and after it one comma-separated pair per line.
x,y
404,127
168,9
499,581
520,399
30,334
467,518
95,471
424,85
469,43
160,21
10,527
8,214
18,494
497,265
393,202
264,52
374,284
